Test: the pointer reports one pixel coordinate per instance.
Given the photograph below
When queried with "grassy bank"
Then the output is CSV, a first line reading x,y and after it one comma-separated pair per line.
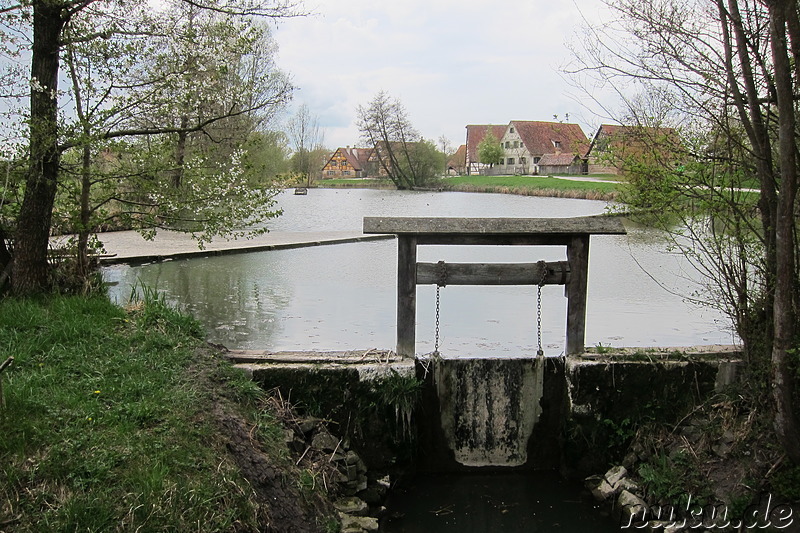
x,y
112,422
523,185
533,186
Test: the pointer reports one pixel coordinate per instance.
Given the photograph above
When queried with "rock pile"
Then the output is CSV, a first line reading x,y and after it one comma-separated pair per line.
x,y
360,493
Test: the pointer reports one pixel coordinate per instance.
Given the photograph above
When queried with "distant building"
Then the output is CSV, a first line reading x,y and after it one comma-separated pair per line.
x,y
614,148
475,134
525,143
457,163
349,163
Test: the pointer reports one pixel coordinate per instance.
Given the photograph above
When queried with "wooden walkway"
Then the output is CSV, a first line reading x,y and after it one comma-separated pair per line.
x,y
130,247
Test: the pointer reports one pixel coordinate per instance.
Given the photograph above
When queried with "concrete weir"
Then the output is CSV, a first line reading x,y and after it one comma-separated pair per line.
x,y
489,407
534,413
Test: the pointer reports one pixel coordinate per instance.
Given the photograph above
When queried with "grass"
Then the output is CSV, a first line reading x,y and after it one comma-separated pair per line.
x,y
106,425
531,183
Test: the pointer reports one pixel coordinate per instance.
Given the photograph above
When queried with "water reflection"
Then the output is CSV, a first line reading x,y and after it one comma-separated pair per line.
x,y
343,297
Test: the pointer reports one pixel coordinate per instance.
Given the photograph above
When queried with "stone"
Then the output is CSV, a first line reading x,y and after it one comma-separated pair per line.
x,y
352,506
325,441
385,481
307,425
599,488
366,523
615,474
630,460
631,508
351,458
627,484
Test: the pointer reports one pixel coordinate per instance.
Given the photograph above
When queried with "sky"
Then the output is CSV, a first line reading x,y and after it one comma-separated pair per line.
x,y
450,62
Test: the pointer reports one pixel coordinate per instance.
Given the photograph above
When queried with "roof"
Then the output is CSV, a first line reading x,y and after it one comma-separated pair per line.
x,y
458,159
635,139
544,137
475,134
558,160
356,157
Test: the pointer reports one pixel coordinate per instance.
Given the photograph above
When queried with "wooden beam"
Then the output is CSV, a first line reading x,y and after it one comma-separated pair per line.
x,y
592,225
578,257
406,295
557,273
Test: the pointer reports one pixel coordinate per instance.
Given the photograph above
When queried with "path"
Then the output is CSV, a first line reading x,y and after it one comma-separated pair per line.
x,y
130,247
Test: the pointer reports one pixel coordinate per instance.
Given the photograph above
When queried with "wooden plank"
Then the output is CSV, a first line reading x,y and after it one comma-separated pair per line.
x,y
593,225
543,239
578,257
557,273
406,295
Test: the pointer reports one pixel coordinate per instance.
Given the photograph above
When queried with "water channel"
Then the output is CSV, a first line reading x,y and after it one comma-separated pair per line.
x,y
342,297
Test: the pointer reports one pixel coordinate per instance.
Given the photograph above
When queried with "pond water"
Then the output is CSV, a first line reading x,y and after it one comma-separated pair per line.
x,y
343,297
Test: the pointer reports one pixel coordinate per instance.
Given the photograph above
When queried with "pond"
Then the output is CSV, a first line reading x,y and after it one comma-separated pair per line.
x,y
343,297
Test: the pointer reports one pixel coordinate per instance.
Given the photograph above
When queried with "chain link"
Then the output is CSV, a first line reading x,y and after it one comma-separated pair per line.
x,y
543,267
442,266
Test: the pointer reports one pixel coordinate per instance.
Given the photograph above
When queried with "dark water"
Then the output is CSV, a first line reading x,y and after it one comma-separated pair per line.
x,y
539,502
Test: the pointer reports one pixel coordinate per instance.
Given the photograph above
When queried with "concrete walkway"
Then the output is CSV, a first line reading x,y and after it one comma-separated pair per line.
x,y
130,247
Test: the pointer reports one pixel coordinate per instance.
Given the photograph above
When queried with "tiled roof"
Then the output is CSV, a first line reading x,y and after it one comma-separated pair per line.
x,y
545,137
356,157
634,139
476,133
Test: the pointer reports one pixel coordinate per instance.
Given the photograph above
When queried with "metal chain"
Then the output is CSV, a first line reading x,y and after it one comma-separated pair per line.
x,y
543,267
441,283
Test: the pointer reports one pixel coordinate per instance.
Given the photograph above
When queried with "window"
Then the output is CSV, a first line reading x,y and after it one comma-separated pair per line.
x,y
536,160
522,160
346,173
511,130
557,144
331,173
508,144
510,160
501,161
516,144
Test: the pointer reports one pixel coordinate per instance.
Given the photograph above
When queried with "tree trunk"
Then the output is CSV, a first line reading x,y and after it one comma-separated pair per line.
x,y
786,421
30,271
180,154
84,230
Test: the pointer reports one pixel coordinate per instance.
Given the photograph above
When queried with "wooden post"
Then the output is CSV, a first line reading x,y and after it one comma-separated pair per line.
x,y
578,257
406,295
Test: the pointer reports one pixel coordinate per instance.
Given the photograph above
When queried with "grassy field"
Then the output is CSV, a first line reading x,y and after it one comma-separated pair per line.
x,y
110,422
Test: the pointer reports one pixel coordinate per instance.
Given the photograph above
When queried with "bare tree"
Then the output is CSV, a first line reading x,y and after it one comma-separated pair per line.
x,y
726,73
306,138
404,156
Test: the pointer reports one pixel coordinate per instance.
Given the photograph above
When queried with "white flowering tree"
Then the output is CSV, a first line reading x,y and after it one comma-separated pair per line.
x,y
154,86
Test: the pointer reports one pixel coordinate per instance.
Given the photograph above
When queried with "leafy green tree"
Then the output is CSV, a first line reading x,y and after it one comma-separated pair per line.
x,y
265,158
490,152
131,39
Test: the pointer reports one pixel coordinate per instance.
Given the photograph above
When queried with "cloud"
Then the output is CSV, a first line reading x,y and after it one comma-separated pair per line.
x,y
451,63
